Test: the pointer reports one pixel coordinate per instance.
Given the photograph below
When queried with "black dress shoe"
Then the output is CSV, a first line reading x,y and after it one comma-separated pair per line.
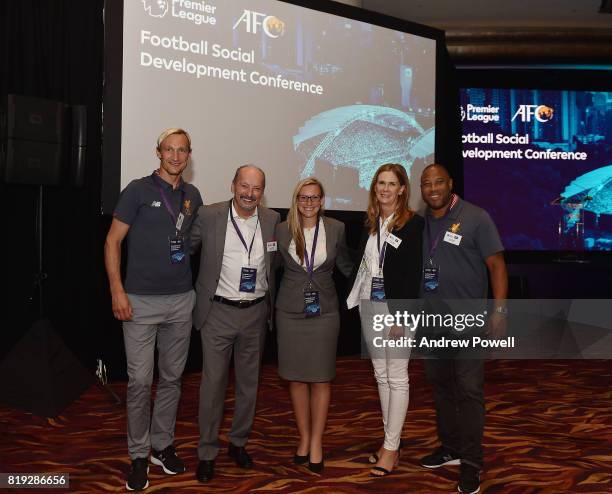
x,y
205,471
240,456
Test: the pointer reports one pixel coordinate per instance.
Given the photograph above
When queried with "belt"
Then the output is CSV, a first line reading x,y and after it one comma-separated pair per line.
x,y
241,304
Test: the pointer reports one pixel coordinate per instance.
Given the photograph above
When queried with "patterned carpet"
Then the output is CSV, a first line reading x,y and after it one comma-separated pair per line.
x,y
549,430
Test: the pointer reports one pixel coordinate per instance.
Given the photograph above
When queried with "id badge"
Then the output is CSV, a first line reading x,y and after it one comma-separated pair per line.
x,y
377,291
248,278
393,240
431,278
312,306
452,238
177,249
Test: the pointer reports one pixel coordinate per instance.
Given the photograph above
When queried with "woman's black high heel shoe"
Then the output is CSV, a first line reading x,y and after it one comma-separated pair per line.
x,y
301,459
383,471
373,458
316,467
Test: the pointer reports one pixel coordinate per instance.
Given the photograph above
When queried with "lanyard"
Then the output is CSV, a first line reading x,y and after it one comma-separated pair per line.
x,y
433,244
310,263
250,248
160,185
381,252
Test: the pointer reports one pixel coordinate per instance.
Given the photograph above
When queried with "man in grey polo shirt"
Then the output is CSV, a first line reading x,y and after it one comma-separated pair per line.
x,y
461,250
155,213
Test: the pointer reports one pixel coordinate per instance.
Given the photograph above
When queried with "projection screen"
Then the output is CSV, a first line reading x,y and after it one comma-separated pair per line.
x,y
294,90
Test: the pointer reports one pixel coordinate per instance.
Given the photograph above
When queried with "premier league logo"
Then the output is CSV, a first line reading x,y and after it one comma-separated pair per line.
x,y
155,8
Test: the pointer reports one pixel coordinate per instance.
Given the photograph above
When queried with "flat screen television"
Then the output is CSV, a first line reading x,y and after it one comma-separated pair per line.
x,y
538,158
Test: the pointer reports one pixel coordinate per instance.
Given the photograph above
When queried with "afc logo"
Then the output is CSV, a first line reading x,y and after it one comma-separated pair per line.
x,y
272,26
541,113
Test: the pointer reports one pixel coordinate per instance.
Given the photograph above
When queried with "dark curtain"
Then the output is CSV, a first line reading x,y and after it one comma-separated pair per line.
x,y
53,49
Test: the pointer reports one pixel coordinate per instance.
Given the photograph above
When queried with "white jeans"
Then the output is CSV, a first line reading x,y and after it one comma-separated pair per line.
x,y
391,373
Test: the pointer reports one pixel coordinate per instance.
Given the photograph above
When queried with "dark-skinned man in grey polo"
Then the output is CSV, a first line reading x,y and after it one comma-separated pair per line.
x,y
461,251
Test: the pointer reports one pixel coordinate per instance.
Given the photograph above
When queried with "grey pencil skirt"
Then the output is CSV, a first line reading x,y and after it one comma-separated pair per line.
x,y
307,347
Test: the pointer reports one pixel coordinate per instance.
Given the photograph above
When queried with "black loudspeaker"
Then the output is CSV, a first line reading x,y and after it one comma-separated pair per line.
x,y
78,145
35,136
40,375
33,163
34,119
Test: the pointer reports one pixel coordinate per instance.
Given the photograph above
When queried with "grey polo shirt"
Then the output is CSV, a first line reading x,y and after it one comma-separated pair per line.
x,y
149,270
463,272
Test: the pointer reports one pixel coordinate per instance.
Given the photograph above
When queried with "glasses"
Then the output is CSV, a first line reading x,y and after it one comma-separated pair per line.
x,y
170,150
306,199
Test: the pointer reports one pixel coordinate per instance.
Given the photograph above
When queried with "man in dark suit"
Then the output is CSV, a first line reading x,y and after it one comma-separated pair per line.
x,y
234,291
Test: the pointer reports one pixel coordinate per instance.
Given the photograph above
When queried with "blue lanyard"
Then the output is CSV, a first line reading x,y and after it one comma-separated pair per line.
x,y
249,248
381,252
310,263
434,244
160,185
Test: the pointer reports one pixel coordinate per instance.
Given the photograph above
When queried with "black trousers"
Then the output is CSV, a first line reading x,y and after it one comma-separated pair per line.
x,y
459,400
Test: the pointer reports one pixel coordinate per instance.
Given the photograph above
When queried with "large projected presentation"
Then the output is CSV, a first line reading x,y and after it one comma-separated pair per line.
x,y
296,91
540,161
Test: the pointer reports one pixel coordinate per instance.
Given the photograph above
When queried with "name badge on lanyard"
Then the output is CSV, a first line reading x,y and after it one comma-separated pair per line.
x,y
312,304
177,249
248,279
377,289
431,277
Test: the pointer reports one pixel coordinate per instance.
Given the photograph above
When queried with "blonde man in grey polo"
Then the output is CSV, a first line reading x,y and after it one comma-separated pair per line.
x,y
155,303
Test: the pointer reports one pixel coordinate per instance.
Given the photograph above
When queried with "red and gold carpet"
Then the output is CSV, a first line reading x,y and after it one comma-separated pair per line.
x,y
548,430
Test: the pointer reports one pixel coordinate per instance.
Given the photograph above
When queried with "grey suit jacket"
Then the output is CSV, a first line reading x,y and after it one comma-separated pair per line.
x,y
208,230
291,292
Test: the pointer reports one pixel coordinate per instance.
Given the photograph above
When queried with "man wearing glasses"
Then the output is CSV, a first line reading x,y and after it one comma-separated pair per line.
x,y
156,300
232,310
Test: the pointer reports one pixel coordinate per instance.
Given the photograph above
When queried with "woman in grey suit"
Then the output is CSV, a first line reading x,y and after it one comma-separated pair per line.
x,y
307,318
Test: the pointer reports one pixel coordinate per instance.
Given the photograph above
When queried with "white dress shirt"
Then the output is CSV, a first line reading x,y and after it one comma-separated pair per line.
x,y
235,257
320,253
